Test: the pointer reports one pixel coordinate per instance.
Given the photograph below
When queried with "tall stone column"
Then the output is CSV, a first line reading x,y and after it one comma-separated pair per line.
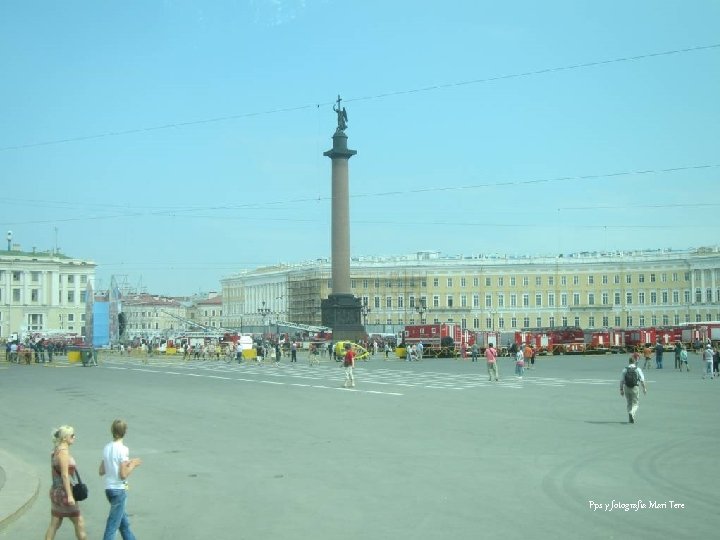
x,y
340,234
341,310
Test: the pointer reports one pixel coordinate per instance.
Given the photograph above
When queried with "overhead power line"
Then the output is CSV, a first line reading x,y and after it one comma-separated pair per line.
x,y
192,212
384,95
536,72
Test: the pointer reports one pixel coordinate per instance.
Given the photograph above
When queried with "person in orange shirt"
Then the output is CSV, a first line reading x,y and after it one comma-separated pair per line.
x,y
647,354
527,354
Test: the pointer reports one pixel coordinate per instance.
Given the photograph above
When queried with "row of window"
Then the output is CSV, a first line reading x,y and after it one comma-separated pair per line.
x,y
156,326
538,300
145,314
36,321
67,296
17,276
514,281
500,323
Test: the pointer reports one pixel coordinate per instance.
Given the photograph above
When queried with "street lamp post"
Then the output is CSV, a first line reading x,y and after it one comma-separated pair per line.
x,y
264,312
421,309
9,239
364,310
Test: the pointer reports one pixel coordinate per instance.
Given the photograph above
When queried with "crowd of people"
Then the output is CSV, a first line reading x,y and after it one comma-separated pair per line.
x,y
34,351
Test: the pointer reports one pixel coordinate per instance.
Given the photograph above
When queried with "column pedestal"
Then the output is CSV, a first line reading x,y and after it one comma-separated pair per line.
x,y
341,312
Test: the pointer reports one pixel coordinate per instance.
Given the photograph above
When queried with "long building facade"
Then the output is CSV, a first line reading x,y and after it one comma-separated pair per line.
x,y
151,316
589,290
43,292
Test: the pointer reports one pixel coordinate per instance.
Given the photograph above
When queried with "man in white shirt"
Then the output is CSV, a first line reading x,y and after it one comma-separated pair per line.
x,y
116,466
708,358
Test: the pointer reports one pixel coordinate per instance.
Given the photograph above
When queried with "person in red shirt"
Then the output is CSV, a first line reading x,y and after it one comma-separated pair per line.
x,y
491,357
349,364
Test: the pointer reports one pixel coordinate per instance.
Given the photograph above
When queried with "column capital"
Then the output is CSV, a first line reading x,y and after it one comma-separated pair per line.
x,y
340,149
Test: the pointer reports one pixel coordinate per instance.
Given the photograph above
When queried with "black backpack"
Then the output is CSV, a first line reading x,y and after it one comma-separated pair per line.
x,y
631,376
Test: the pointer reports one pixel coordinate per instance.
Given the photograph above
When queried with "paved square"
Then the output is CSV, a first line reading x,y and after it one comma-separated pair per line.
x,y
418,450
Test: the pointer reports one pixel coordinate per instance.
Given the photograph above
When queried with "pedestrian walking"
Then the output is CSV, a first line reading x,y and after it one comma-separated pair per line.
x,y
62,501
708,355
519,363
684,359
491,357
532,358
632,377
678,352
474,352
116,466
647,353
659,354
349,364
527,355
716,361
293,352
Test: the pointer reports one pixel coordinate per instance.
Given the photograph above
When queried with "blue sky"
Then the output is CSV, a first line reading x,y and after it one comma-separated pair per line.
x,y
177,142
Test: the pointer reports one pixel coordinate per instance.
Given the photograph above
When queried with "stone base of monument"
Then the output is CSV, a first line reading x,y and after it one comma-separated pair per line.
x,y
341,312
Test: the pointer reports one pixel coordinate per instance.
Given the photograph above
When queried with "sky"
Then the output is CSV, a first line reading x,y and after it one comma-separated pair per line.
x,y
178,142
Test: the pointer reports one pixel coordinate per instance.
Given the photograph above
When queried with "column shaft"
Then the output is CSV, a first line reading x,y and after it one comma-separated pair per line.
x,y
340,244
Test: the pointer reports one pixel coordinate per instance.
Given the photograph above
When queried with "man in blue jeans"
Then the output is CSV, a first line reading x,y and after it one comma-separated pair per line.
x,y
116,466
658,354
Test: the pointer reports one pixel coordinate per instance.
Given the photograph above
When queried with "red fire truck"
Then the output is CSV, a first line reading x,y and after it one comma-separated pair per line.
x,y
485,338
636,338
669,336
697,334
439,339
604,341
555,340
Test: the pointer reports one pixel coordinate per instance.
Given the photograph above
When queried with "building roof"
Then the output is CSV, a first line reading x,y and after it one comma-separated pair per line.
x,y
214,301
150,300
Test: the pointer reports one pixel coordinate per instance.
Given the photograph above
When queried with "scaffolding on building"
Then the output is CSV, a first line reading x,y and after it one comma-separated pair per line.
x,y
304,294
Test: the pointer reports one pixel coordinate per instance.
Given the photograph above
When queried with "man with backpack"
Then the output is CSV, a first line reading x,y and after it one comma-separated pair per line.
x,y
632,377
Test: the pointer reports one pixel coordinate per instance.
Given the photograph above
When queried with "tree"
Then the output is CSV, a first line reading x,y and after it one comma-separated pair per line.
x,y
122,324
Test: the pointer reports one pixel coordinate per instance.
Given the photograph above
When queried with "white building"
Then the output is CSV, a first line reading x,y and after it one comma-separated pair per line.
x,y
43,292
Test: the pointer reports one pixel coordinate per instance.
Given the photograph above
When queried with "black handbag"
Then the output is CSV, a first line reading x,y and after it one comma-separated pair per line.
x,y
80,490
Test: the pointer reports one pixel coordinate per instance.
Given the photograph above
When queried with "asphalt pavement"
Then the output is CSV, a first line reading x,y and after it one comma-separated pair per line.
x,y
418,450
